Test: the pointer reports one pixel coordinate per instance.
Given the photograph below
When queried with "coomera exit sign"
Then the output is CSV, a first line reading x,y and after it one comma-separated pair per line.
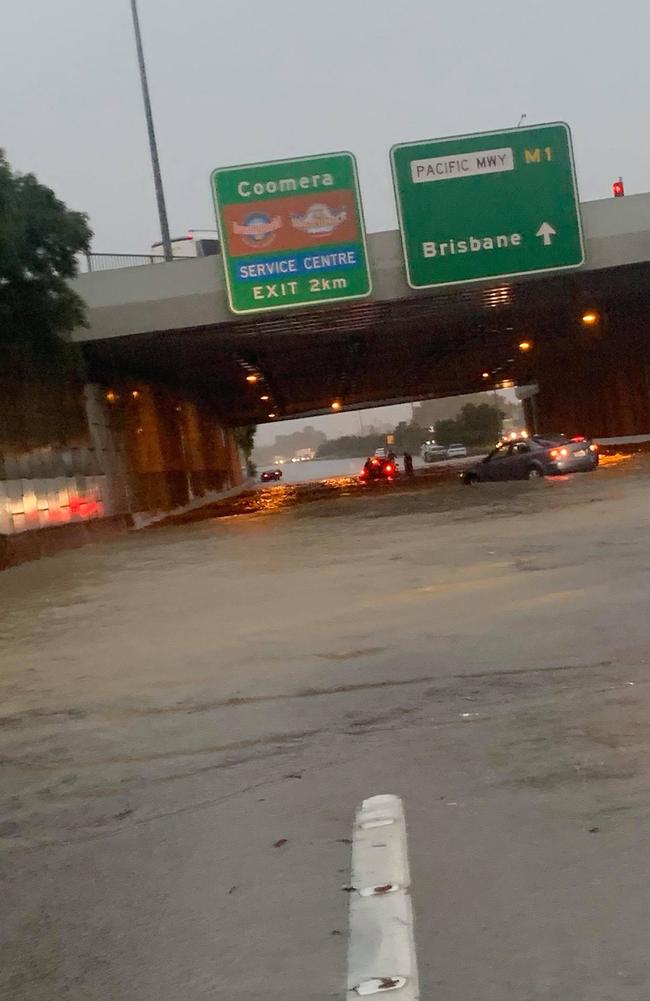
x,y
488,205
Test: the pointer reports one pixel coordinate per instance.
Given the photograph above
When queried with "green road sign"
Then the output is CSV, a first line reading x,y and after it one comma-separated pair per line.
x,y
489,205
292,232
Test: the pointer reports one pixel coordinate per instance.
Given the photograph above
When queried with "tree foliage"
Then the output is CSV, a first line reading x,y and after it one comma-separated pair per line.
x,y
350,446
409,437
475,425
39,240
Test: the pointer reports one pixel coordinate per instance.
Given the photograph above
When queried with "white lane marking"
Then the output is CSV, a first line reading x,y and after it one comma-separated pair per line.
x,y
381,953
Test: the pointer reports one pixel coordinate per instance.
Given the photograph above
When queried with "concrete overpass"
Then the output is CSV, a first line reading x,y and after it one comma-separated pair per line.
x,y
170,323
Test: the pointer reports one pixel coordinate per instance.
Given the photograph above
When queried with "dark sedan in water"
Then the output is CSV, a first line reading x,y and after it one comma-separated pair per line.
x,y
534,457
271,474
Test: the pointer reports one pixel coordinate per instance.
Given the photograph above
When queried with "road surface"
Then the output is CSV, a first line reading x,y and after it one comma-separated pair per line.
x,y
190,717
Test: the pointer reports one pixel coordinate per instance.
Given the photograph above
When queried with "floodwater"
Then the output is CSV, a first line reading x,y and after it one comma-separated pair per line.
x,y
318,469
191,714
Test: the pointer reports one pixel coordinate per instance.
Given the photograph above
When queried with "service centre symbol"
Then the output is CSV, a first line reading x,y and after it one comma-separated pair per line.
x,y
292,232
258,230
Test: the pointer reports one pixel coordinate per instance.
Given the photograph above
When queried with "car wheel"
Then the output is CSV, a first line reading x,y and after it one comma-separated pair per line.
x,y
535,473
471,480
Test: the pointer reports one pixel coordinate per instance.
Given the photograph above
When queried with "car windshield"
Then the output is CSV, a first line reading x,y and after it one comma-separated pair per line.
x,y
550,439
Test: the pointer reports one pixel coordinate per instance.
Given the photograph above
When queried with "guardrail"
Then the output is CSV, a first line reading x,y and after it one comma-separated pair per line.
x,y
107,262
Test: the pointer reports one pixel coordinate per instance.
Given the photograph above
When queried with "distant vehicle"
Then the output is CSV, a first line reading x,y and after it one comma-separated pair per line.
x,y
378,469
197,243
433,452
271,474
456,451
534,457
381,453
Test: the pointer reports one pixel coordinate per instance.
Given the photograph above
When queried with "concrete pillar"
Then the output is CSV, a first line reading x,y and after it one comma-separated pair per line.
x,y
596,381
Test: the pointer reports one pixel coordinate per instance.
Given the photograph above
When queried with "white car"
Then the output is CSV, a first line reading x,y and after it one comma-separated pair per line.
x,y
430,453
456,451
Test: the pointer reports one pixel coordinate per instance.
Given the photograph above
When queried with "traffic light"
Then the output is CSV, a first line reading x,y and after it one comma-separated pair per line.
x,y
617,188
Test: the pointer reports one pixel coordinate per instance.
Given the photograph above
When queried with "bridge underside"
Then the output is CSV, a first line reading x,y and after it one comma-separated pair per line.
x,y
427,346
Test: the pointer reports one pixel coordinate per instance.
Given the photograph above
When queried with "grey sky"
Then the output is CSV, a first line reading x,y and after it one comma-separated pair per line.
x,y
240,80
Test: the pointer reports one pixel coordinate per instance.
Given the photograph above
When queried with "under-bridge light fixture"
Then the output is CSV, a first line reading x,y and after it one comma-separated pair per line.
x,y
336,405
590,318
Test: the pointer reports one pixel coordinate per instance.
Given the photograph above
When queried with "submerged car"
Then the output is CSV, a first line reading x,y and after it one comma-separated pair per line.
x,y
534,457
377,469
456,451
271,474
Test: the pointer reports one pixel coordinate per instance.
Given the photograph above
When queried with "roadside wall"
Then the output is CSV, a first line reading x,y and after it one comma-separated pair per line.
x,y
596,382
79,462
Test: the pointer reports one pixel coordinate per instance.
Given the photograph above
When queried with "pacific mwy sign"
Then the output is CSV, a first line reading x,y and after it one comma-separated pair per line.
x,y
441,167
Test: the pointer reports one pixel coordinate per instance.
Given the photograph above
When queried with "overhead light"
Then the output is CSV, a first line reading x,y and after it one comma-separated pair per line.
x,y
111,396
485,375
135,393
252,378
336,405
265,398
272,415
501,296
525,345
590,318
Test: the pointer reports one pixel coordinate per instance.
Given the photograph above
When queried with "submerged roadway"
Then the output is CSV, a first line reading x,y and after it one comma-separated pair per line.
x,y
191,715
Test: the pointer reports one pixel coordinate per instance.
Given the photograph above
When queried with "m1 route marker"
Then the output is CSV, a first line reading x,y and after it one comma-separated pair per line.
x,y
292,232
488,205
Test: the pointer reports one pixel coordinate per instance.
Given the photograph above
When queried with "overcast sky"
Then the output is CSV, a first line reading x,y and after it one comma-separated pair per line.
x,y
235,81
242,80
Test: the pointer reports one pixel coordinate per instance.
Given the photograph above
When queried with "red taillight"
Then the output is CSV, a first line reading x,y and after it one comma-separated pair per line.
x,y
579,437
388,469
554,453
375,462
593,447
363,474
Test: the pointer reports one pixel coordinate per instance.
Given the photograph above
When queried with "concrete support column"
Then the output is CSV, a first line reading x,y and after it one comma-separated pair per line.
x,y
596,381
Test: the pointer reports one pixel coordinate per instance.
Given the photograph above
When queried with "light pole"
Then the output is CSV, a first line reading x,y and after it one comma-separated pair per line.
x,y
153,147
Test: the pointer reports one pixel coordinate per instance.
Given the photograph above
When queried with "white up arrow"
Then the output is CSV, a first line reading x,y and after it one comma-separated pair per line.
x,y
547,233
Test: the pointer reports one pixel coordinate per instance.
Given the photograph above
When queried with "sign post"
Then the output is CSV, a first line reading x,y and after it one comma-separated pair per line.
x,y
292,232
489,205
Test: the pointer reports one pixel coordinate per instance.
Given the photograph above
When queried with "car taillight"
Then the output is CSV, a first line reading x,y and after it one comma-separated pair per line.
x,y
593,447
564,452
363,474
388,469
375,462
554,453
579,437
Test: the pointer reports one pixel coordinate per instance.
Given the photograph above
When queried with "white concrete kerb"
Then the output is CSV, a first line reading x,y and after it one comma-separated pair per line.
x,y
381,954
